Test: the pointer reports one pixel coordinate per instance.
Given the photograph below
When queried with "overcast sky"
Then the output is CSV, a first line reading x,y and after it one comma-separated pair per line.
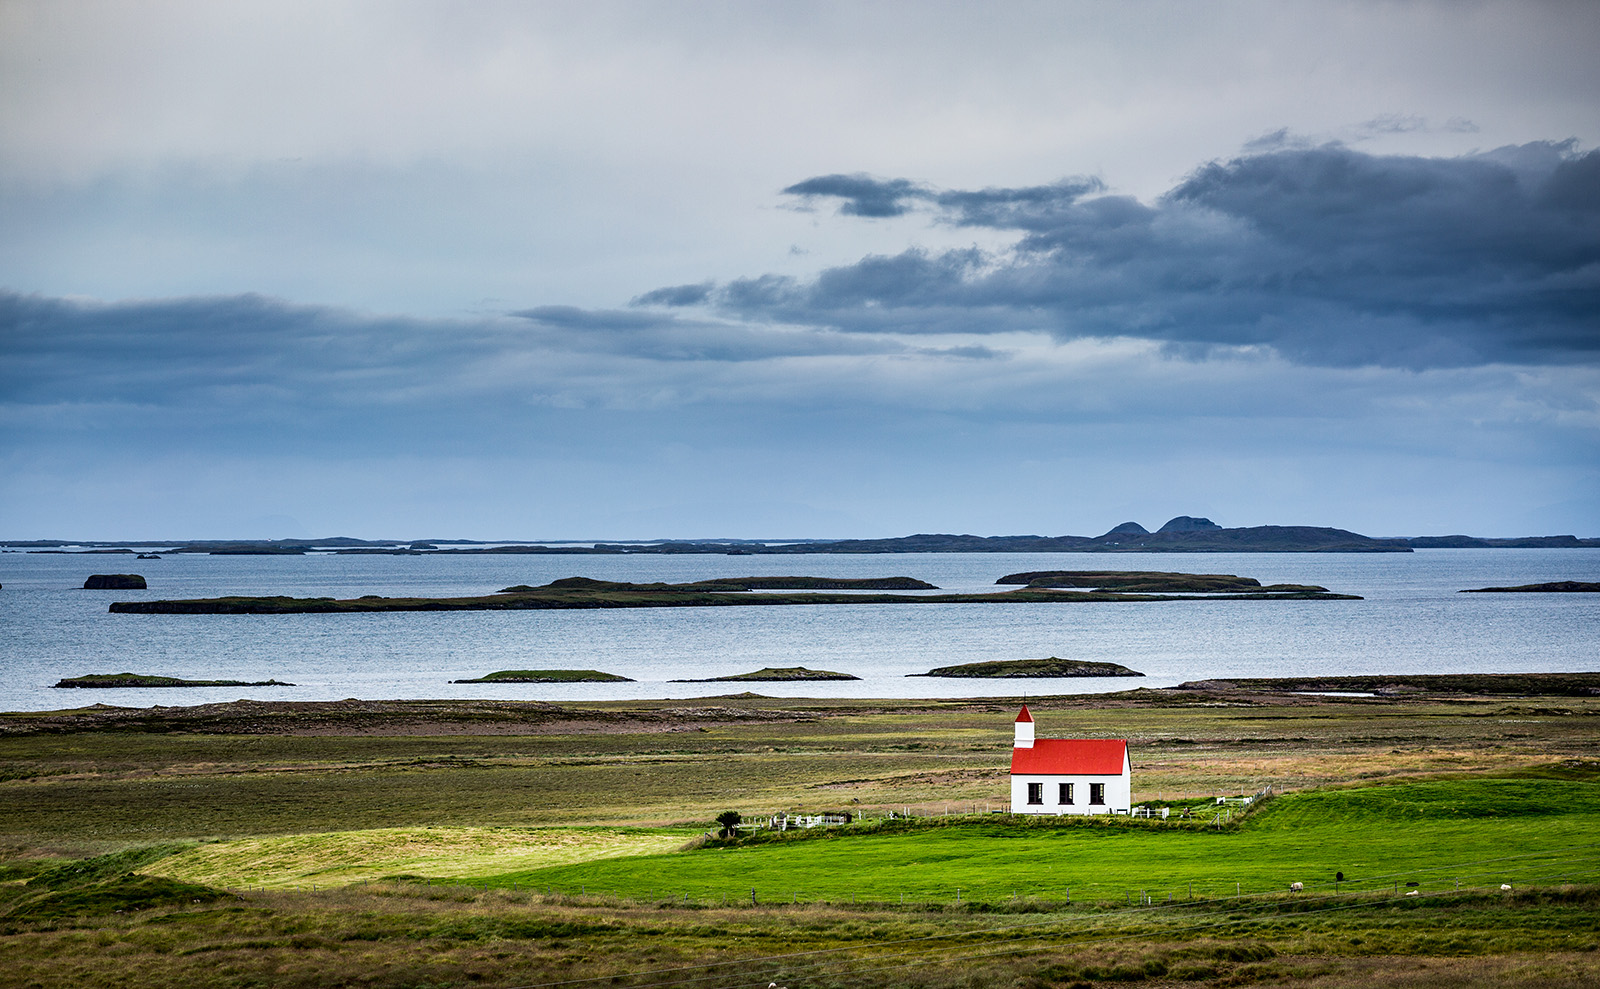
x,y
633,270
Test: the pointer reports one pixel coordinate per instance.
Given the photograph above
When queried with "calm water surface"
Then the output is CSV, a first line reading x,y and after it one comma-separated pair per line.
x,y
1413,620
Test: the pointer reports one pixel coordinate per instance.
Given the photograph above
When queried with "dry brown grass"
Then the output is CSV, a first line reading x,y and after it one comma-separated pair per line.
x,y
403,937
342,858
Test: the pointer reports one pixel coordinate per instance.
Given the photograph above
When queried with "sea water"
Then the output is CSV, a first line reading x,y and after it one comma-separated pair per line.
x,y
1412,620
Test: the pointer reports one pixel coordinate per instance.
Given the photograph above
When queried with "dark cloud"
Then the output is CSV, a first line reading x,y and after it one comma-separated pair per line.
x,y
1028,208
1329,255
863,195
604,320
62,350
677,295
654,336
967,353
263,356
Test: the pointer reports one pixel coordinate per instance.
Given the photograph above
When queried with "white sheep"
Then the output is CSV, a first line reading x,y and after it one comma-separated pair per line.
x,y
1296,887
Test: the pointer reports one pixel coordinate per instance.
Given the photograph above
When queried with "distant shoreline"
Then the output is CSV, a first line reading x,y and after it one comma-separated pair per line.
x,y
501,716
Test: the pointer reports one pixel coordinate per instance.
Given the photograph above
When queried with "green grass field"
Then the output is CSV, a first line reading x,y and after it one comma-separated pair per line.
x,y
1475,832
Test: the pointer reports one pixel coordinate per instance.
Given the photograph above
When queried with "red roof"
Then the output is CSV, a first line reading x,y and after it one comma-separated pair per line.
x,y
1024,715
1071,757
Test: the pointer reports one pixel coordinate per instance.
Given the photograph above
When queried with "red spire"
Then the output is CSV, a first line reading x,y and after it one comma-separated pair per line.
x,y
1023,715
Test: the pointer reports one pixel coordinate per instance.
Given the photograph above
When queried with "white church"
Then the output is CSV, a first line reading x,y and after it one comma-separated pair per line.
x,y
1068,775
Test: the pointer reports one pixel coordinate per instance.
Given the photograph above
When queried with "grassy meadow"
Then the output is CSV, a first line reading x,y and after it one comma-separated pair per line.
x,y
1440,835
446,855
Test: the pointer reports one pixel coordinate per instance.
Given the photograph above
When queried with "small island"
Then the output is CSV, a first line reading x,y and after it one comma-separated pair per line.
x,y
1154,582
776,675
739,584
114,582
1553,587
548,676
584,592
1050,667
146,680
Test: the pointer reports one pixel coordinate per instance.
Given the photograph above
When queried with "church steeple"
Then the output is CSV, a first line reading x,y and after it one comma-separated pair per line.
x,y
1024,739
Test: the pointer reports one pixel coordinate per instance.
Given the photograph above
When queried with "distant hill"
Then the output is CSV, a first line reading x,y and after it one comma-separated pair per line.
x,y
1129,537
1184,534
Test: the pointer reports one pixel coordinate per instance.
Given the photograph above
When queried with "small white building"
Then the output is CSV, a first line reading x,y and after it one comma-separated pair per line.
x,y
1068,775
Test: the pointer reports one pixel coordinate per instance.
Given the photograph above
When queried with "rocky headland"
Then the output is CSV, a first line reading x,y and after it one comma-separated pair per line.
x,y
104,680
1551,587
1153,582
548,676
780,674
114,582
1032,668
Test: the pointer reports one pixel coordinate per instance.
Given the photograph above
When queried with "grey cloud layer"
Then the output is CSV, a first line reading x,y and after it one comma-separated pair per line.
x,y
242,350
1327,254
186,408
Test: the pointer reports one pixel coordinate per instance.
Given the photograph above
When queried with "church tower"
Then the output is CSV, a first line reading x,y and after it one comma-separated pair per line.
x,y
1024,739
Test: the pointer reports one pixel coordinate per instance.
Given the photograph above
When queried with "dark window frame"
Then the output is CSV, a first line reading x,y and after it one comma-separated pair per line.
x,y
1097,794
1035,794
1064,795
